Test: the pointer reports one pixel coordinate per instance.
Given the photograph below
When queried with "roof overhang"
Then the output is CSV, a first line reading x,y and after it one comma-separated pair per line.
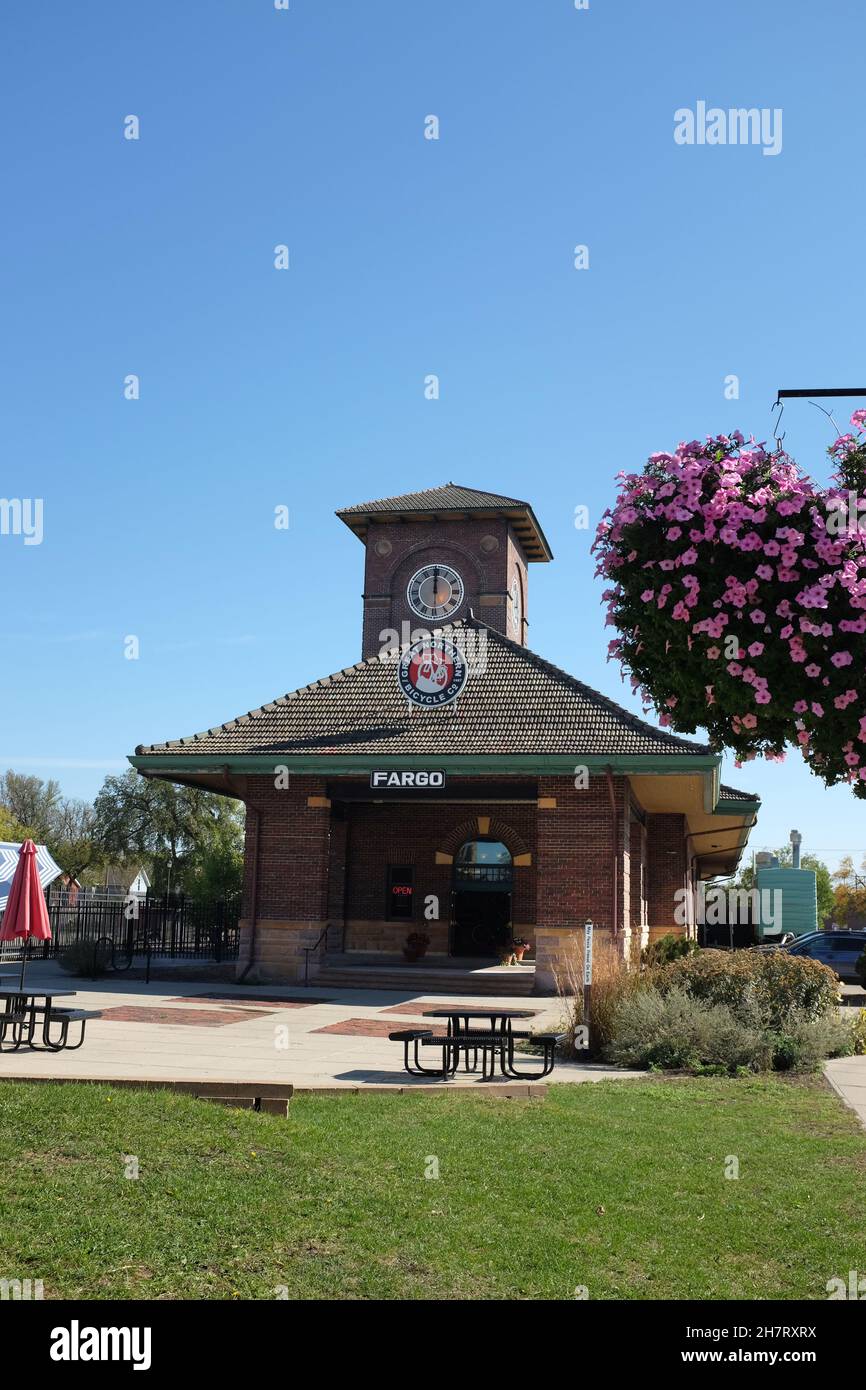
x,y
717,829
680,784
522,520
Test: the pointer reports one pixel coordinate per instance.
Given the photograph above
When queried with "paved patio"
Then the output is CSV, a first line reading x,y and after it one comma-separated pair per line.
x,y
315,1039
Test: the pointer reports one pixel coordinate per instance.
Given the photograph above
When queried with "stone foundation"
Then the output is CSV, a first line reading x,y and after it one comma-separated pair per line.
x,y
559,956
391,936
279,950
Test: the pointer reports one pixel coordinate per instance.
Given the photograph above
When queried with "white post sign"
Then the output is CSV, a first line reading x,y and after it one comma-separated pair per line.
x,y
587,954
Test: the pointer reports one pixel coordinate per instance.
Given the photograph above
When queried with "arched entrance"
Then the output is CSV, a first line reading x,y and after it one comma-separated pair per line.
x,y
481,899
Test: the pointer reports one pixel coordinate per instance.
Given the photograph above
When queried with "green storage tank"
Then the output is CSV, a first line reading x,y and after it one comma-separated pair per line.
x,y
792,900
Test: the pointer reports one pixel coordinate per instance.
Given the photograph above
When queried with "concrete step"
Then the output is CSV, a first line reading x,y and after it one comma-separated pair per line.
x,y
393,960
505,981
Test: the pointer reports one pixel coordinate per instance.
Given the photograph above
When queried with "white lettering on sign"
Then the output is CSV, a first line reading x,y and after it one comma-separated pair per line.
x,y
398,781
587,954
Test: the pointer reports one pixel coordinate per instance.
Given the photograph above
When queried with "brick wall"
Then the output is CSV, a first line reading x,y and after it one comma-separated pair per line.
x,y
379,835
320,863
576,867
293,850
485,553
289,840
666,871
575,852
637,886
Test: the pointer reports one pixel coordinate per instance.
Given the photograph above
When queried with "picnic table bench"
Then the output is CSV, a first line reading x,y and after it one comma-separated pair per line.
x,y
21,1014
495,1043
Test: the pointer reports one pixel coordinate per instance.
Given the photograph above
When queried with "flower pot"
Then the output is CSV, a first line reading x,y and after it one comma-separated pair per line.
x,y
519,952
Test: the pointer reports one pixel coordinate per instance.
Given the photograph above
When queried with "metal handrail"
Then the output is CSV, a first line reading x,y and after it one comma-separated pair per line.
x,y
308,951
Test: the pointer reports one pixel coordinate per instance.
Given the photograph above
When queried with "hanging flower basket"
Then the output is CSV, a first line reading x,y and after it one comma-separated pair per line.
x,y
738,589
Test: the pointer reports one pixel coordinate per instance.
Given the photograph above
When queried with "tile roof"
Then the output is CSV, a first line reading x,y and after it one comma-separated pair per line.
x,y
452,499
731,794
519,704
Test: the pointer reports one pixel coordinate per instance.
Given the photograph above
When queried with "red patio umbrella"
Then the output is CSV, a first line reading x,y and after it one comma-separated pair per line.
x,y
26,914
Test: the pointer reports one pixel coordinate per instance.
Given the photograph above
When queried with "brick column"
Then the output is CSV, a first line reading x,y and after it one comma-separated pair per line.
x,y
292,877
666,872
637,893
576,870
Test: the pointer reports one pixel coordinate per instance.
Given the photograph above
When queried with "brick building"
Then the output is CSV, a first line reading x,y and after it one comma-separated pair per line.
x,y
456,783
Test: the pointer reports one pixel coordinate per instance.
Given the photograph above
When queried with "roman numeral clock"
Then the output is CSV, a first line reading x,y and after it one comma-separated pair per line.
x,y
435,592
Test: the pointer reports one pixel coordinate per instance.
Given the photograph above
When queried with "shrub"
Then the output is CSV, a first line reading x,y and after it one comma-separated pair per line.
x,y
858,1032
806,1042
773,982
667,948
612,981
674,1031
87,958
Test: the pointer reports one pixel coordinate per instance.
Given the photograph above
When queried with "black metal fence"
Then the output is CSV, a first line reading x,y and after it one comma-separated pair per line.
x,y
177,927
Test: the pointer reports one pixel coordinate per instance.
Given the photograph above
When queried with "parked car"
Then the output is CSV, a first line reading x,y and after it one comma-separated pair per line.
x,y
781,942
839,949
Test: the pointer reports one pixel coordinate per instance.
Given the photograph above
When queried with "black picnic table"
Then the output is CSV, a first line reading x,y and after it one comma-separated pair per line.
x,y
493,1042
20,1015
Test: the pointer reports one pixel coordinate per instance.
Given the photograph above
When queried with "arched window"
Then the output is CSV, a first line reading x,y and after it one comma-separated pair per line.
x,y
483,861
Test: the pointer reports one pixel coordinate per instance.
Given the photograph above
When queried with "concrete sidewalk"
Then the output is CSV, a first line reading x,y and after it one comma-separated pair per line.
x,y
847,1076
316,1039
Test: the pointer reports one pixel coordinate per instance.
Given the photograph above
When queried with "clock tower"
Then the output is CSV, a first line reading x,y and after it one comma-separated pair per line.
x,y
432,556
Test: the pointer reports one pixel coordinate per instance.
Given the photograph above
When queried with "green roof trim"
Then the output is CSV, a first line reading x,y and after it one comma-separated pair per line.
x,y
550,764
164,765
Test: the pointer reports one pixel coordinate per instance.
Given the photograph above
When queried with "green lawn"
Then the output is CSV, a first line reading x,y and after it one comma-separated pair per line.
x,y
618,1186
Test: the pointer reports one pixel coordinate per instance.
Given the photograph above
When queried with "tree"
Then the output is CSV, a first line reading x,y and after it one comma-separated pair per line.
x,y
844,874
850,903
11,831
72,839
849,893
31,802
217,869
179,832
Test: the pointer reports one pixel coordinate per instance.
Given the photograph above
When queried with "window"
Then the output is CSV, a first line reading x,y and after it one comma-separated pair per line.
x,y
849,946
483,861
401,890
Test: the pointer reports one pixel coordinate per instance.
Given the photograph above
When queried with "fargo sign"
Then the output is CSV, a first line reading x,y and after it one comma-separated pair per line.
x,y
400,781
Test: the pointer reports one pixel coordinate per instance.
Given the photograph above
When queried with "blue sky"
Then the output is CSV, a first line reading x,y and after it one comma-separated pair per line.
x,y
408,257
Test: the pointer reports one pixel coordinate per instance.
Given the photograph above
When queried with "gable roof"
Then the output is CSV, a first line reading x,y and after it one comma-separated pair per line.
x,y
519,704
453,501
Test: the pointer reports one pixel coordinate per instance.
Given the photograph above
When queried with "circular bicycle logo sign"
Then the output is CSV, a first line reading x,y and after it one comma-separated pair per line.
x,y
432,672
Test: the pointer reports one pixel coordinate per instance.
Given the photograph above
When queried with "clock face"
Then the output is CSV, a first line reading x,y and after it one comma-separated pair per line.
x,y
516,613
436,591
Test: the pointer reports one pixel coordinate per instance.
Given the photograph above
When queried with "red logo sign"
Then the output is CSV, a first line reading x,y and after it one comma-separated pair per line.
x,y
432,672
